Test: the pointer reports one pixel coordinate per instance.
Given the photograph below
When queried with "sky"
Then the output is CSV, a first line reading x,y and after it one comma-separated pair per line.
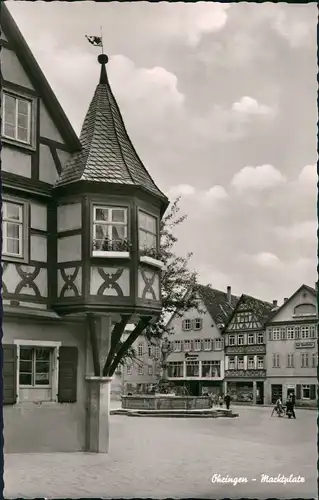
x,y
220,102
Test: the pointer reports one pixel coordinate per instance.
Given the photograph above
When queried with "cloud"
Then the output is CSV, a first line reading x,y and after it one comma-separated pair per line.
x,y
305,231
308,175
192,21
249,106
216,193
266,259
257,178
295,30
183,190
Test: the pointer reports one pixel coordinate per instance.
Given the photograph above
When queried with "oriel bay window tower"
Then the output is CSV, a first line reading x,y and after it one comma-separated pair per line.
x,y
105,219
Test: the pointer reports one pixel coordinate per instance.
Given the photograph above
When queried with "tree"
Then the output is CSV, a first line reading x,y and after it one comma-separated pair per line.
x,y
178,285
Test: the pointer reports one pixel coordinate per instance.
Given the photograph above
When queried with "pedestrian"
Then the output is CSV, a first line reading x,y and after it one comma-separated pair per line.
x,y
293,401
227,401
221,400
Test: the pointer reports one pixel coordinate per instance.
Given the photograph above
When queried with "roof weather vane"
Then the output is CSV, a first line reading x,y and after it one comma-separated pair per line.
x,y
97,41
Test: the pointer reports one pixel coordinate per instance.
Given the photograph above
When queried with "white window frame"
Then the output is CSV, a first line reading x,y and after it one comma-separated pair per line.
x,y
260,338
29,102
240,339
140,349
276,333
109,223
290,360
177,346
276,360
23,231
195,364
198,323
251,358
231,340
249,337
305,332
147,231
304,360
260,362
197,345
140,369
55,346
207,344
314,360
156,352
129,369
177,364
218,344
188,323
150,350
303,388
240,361
231,360
188,342
290,333
150,370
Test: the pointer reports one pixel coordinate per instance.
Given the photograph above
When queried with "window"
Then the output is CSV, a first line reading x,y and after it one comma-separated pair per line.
x,y
192,368
210,369
304,360
198,324
175,369
251,363
240,339
231,340
290,361
129,369
276,334
177,345
251,338
290,333
198,345
240,363
140,349
305,333
109,229
16,121
35,366
260,338
305,310
313,331
218,344
150,370
305,391
186,324
187,345
12,229
231,363
156,352
207,345
147,231
260,362
314,359
276,361
141,370
150,351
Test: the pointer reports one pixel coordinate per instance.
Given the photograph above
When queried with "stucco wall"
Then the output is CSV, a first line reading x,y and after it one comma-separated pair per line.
x,y
47,427
12,69
288,382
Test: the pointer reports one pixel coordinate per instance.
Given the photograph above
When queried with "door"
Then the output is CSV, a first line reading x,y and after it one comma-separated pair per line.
x,y
276,392
260,393
194,388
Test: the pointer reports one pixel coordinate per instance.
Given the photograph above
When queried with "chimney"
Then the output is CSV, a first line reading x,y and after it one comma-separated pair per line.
x,y
275,302
229,295
285,299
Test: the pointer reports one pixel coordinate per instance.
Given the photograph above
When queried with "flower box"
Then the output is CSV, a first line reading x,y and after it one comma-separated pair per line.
x,y
110,254
151,261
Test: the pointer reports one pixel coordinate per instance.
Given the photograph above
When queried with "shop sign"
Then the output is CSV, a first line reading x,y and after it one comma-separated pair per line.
x,y
305,345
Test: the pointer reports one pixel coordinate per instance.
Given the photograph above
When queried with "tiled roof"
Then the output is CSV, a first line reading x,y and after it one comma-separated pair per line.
x,y
107,152
217,304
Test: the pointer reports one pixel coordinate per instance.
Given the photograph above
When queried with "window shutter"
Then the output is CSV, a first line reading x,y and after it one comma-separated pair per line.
x,y
283,333
269,334
313,391
9,374
192,345
68,367
298,391
182,345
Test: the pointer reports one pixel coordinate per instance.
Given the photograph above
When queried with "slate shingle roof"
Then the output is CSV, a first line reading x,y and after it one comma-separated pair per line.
x,y
217,304
107,153
260,308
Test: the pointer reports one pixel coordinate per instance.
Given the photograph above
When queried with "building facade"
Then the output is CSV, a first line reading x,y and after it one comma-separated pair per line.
x,y
292,349
245,350
196,359
80,218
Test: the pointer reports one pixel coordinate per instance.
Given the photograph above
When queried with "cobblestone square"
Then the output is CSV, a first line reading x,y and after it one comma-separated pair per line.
x,y
167,457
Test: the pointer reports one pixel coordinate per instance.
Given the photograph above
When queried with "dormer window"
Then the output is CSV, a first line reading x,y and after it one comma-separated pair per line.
x,y
110,231
16,118
186,325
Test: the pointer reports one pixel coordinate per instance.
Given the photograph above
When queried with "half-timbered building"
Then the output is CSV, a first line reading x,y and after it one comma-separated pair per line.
x,y
80,235
245,350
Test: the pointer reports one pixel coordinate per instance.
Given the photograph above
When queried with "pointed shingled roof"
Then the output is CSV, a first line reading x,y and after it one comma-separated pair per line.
x,y
107,154
216,303
261,309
